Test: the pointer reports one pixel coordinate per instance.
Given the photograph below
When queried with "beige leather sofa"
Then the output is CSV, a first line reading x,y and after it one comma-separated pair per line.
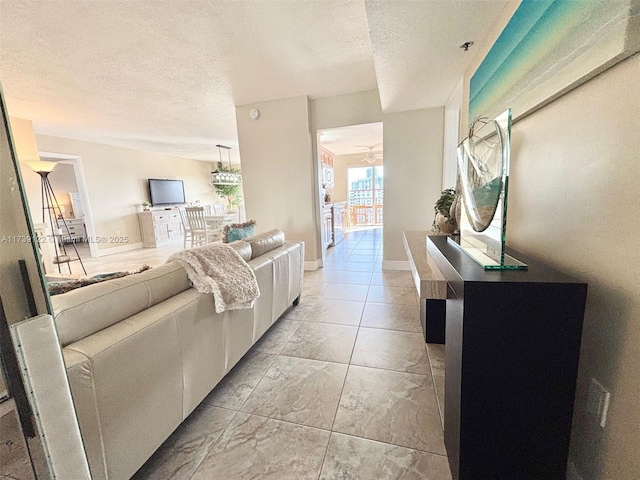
x,y
143,351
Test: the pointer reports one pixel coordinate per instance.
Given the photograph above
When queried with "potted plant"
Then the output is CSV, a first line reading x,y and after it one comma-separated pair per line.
x,y
146,206
230,192
445,220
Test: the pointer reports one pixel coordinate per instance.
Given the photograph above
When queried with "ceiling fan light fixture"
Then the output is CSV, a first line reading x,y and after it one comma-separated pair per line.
x,y
371,157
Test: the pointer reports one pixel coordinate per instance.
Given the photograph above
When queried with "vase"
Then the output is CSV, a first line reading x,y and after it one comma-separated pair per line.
x,y
443,224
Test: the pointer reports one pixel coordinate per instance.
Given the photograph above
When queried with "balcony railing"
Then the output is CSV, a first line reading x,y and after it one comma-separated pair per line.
x,y
365,215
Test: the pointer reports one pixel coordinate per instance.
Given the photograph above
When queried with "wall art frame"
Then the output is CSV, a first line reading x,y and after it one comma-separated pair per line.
x,y
549,47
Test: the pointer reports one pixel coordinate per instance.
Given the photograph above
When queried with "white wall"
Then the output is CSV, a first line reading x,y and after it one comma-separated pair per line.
x,y
413,149
116,180
451,134
277,166
63,182
13,223
574,202
344,110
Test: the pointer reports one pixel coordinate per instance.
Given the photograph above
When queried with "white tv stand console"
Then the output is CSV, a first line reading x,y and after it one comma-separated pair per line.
x,y
160,227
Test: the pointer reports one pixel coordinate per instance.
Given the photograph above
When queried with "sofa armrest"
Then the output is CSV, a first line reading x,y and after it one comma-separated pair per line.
x,y
130,382
82,386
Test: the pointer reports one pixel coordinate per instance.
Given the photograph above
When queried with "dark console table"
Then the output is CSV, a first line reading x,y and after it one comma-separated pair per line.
x,y
512,351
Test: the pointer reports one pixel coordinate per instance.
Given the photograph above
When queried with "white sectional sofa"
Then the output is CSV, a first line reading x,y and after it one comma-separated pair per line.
x,y
142,351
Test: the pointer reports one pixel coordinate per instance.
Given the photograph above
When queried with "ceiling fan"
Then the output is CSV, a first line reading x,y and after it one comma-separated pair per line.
x,y
370,157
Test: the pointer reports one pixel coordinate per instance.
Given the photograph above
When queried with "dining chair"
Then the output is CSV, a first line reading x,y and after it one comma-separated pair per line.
x,y
201,232
216,221
185,226
218,209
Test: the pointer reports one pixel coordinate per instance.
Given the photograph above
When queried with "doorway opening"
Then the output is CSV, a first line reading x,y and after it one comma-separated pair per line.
x,y
69,185
351,180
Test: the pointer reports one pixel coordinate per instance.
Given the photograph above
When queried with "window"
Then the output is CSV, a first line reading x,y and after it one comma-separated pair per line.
x,y
366,191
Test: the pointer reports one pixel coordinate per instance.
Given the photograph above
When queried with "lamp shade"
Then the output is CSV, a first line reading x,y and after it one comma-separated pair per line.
x,y
40,166
24,140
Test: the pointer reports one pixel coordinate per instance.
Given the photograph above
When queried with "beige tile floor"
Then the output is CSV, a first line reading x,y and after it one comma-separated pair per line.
x,y
342,386
14,454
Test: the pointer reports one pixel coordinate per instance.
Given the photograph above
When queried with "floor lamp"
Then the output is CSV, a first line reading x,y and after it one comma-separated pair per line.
x,y
50,206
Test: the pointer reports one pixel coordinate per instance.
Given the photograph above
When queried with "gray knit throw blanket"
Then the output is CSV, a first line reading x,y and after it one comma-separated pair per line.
x,y
217,268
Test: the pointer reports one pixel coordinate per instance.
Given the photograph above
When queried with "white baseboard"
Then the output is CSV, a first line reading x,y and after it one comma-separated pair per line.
x,y
572,472
122,248
395,265
311,266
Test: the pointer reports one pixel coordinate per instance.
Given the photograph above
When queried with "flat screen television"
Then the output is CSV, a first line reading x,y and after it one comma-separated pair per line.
x,y
166,192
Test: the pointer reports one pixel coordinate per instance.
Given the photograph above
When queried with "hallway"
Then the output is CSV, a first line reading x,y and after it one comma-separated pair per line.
x,y
342,386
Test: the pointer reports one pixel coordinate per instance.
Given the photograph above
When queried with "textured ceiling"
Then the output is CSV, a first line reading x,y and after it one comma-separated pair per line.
x,y
166,76
354,139
416,47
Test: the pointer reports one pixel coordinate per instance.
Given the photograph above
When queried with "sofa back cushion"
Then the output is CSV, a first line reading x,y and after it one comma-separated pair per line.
x,y
265,242
87,310
243,248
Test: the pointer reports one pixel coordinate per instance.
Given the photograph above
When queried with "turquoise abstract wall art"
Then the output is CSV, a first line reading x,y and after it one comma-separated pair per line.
x,y
549,47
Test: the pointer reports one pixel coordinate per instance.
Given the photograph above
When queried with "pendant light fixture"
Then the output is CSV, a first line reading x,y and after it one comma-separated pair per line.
x,y
226,177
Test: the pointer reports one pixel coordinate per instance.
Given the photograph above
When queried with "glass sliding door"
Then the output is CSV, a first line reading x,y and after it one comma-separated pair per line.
x,y
366,191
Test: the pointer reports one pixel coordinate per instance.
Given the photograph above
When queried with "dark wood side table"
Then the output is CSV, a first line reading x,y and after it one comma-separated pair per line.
x,y
512,351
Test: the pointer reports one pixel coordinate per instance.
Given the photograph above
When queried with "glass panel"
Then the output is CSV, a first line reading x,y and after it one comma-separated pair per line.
x,y
483,164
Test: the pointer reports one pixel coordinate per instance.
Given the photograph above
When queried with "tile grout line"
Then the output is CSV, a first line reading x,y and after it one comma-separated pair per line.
x,y
288,422
388,443
331,431
348,366
277,355
262,416
235,414
430,374
204,457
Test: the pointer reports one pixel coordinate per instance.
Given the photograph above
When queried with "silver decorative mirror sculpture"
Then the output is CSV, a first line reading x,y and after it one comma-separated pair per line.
x,y
483,166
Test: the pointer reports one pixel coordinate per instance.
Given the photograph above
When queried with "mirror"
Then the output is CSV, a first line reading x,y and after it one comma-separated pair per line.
x,y
38,429
22,295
